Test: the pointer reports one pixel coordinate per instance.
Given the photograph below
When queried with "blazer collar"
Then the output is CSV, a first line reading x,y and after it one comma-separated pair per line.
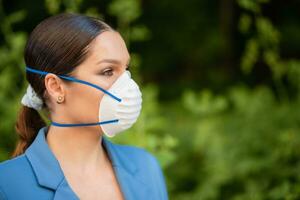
x,y
49,173
45,165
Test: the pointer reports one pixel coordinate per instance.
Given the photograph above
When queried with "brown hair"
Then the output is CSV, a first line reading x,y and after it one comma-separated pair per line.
x,y
58,45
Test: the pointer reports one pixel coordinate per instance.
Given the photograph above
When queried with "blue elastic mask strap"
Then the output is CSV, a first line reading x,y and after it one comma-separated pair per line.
x,y
85,124
28,69
69,78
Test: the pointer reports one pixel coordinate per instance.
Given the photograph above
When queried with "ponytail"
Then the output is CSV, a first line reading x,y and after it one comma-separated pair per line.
x,y
27,126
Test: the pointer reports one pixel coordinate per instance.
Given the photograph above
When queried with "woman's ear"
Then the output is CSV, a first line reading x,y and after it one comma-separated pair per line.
x,y
54,87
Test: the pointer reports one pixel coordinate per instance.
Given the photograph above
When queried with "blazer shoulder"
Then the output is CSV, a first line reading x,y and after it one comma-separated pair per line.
x,y
147,163
14,169
18,180
150,169
137,154
13,164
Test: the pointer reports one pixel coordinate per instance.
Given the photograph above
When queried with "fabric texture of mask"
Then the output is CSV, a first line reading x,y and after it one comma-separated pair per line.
x,y
119,107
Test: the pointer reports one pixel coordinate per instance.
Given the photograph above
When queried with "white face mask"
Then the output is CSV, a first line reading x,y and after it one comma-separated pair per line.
x,y
126,111
119,108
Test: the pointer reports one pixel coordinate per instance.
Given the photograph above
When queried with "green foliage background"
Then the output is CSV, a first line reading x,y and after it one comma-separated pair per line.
x,y
220,82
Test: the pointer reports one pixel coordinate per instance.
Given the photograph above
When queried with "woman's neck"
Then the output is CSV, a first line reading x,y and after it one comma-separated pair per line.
x,y
77,148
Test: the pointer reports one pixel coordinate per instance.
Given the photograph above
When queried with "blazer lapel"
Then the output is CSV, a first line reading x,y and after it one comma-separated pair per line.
x,y
47,169
64,192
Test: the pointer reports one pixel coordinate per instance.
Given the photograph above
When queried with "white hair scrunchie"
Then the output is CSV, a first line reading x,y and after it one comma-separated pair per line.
x,y
31,99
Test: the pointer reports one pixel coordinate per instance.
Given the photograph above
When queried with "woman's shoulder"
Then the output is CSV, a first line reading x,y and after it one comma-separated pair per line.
x,y
137,155
13,165
134,157
15,168
14,173
147,165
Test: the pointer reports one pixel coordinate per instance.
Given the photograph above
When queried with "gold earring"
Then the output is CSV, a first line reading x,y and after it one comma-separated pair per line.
x,y
60,99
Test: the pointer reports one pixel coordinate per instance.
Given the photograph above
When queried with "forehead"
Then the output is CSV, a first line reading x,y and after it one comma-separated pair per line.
x,y
109,45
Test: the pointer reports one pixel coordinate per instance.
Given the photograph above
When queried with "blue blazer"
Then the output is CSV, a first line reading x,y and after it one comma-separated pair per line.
x,y
36,174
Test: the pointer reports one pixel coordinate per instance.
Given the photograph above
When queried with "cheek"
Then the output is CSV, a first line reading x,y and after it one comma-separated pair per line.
x,y
84,100
83,103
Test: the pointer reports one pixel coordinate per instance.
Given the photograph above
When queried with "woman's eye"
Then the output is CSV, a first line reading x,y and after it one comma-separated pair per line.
x,y
108,72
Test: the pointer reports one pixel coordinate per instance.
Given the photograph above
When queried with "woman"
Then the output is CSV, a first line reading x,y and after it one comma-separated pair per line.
x,y
77,69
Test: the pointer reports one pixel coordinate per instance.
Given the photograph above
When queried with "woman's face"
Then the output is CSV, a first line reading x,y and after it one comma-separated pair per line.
x,y
108,58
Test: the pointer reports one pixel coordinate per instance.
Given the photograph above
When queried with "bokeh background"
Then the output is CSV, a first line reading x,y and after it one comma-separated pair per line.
x,y
220,81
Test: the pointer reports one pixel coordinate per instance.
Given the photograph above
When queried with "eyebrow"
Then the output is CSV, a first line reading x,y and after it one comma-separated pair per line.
x,y
113,61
